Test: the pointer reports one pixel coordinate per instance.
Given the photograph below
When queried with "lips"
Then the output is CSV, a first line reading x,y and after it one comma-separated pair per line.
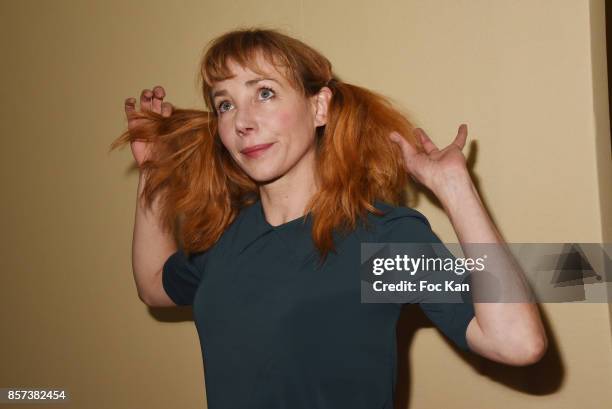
x,y
256,148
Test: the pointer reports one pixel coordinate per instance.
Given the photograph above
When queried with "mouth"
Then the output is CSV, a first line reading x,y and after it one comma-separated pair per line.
x,y
256,150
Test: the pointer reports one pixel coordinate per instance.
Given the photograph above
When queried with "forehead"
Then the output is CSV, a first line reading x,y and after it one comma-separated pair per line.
x,y
256,68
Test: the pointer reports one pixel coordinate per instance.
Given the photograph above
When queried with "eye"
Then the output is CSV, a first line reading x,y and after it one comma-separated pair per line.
x,y
267,91
221,105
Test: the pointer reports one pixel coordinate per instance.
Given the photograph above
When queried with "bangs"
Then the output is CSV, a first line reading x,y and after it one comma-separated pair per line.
x,y
247,52
302,67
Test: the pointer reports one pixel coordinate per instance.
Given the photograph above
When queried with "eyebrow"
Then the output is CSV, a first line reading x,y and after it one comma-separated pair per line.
x,y
248,83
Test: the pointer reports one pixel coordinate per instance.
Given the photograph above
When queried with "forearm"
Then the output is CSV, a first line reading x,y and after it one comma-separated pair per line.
x,y
507,328
151,245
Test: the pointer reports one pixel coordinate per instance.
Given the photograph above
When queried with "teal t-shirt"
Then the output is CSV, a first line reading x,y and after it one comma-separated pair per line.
x,y
278,332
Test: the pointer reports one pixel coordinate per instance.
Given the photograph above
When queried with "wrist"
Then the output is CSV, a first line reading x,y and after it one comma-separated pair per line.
x,y
456,189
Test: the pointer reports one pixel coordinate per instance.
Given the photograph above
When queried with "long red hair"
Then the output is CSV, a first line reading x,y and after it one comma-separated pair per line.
x,y
202,189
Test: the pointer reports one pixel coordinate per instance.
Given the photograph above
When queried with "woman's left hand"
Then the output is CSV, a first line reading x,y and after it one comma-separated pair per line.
x,y
434,168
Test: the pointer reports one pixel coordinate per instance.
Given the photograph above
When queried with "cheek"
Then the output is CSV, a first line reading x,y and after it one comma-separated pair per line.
x,y
230,146
293,124
225,135
286,119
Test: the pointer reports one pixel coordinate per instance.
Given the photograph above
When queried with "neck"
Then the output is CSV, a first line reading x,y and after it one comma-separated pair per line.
x,y
286,198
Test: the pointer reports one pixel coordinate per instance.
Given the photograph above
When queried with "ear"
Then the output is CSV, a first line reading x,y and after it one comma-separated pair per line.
x,y
320,105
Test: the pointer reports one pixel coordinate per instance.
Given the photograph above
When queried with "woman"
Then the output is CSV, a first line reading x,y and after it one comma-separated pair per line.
x,y
270,193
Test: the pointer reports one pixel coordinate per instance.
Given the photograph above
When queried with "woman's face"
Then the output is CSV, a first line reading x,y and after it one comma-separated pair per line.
x,y
264,123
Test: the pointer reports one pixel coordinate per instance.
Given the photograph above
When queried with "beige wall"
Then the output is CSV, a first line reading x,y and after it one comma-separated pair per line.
x,y
528,77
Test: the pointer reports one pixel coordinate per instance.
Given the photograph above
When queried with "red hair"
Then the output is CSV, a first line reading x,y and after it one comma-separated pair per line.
x,y
202,189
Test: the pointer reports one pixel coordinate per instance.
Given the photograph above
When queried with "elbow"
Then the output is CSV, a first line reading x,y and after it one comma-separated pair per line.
x,y
145,299
538,349
527,352
147,291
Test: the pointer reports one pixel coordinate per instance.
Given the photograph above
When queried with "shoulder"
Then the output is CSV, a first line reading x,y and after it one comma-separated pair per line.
x,y
394,213
199,258
400,223
397,214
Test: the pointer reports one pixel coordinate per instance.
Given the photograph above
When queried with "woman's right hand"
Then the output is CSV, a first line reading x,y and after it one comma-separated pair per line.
x,y
149,101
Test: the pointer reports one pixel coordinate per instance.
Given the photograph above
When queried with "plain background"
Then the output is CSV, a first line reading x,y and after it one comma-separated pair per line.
x,y
528,77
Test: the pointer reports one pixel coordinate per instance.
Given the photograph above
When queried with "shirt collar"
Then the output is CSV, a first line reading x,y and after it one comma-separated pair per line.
x,y
253,225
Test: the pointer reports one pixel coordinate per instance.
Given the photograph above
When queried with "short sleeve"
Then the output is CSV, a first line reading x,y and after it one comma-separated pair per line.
x,y
403,225
181,276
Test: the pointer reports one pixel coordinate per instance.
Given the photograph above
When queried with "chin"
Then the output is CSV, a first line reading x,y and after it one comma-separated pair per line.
x,y
263,174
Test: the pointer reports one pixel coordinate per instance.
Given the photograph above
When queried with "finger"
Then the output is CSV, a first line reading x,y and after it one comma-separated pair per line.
x,y
145,100
166,109
461,136
130,106
428,145
158,96
406,148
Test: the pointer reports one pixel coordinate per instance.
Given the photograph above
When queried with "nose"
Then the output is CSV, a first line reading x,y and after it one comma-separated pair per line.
x,y
244,120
